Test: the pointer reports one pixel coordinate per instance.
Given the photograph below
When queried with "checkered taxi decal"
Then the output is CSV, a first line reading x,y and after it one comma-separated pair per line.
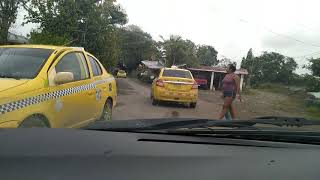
x,y
16,105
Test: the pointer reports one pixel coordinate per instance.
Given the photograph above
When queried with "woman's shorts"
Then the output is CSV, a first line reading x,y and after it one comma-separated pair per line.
x,y
229,94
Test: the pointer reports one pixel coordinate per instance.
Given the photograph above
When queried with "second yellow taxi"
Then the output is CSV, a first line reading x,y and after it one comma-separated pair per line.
x,y
175,85
121,74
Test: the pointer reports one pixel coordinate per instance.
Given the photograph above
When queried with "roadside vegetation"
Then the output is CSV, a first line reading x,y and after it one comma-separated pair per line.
x,y
296,99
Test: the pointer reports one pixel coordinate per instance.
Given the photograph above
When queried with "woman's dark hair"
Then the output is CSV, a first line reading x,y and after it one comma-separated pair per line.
x,y
232,67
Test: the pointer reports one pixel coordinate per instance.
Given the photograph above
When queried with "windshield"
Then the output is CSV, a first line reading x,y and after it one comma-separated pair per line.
x,y
119,60
22,63
177,73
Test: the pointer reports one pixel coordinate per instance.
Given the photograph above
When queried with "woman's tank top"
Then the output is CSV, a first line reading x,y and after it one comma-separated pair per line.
x,y
228,83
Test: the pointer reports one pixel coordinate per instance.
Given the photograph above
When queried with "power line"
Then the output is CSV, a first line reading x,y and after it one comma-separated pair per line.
x,y
282,35
308,55
306,27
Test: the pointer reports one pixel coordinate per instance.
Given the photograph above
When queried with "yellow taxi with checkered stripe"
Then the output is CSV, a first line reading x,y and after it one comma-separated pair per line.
x,y
51,86
175,85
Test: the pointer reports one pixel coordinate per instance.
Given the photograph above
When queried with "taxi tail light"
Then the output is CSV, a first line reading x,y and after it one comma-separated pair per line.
x,y
160,83
195,86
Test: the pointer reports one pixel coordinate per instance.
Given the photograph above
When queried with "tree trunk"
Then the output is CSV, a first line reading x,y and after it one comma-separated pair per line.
x,y
4,36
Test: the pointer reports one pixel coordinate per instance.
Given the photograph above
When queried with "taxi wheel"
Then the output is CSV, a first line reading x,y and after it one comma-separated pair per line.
x,y
193,105
107,111
33,122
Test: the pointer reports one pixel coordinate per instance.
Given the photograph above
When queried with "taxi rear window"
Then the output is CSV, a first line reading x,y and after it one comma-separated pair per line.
x,y
177,73
22,62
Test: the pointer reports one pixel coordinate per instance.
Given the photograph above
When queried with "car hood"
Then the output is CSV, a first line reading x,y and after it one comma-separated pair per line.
x,y
6,84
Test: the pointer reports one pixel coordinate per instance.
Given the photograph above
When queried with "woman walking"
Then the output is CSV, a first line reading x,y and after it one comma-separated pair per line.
x,y
231,88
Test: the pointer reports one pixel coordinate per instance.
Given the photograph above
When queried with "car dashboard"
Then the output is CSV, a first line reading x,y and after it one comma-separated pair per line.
x,y
84,154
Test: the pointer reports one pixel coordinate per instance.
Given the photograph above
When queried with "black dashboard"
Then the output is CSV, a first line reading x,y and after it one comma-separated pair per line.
x,y
58,154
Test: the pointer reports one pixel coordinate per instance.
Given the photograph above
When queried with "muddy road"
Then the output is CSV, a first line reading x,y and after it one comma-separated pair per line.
x,y
134,103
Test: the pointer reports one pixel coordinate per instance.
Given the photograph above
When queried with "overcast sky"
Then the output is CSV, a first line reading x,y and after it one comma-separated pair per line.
x,y
290,27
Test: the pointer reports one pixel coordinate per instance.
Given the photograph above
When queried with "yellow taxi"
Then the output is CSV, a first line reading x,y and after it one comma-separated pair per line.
x,y
50,86
121,74
175,85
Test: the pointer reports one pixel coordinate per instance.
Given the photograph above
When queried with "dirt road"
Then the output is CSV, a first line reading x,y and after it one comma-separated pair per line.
x,y
134,103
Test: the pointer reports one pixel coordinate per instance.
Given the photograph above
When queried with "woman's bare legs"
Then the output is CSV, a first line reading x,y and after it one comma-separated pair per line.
x,y
233,111
226,106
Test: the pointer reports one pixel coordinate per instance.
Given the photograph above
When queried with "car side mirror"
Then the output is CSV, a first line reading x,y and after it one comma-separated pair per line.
x,y
63,77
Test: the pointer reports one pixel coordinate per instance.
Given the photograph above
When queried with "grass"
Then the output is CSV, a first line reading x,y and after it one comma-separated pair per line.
x,y
274,88
296,100
249,92
313,112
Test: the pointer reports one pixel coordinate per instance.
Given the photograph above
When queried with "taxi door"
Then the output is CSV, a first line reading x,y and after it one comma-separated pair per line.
x,y
74,100
102,87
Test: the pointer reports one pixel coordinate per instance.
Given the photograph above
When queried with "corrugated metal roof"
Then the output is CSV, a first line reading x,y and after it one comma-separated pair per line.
x,y
153,64
218,69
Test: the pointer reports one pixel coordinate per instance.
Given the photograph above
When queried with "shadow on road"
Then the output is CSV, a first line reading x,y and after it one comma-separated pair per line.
x,y
172,104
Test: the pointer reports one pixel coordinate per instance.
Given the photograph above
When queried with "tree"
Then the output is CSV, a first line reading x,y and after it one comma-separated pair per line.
x,y
92,24
207,55
224,62
56,18
273,67
314,66
136,45
8,15
179,51
248,61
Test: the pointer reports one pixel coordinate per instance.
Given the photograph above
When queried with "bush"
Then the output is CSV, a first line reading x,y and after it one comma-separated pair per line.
x,y
312,83
47,38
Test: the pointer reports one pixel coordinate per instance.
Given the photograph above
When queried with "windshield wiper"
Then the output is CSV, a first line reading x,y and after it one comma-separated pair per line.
x,y
173,124
237,129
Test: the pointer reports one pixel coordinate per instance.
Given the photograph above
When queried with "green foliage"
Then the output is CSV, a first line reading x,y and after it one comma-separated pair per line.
x,y
8,15
48,38
313,112
207,55
225,62
91,24
248,61
312,83
272,67
55,17
179,51
136,45
94,25
272,87
315,66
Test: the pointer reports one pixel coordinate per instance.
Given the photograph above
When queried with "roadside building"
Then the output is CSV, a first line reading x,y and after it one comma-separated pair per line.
x,y
214,75
148,70
152,66
208,77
